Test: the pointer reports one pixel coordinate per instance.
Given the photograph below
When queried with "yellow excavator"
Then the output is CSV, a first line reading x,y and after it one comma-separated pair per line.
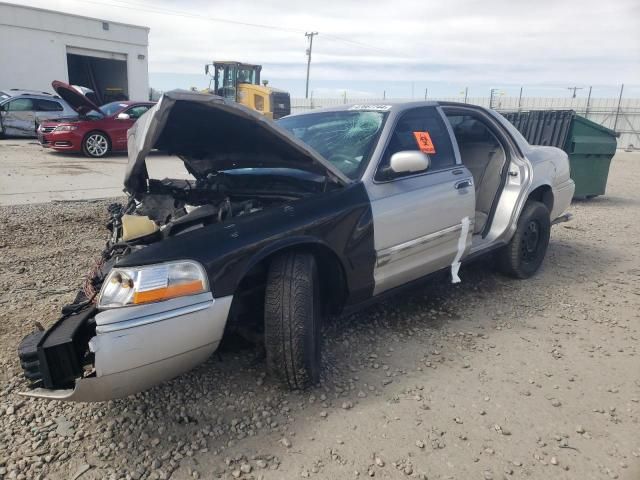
x,y
240,82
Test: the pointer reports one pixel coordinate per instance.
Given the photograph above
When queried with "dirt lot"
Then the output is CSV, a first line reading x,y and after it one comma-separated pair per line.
x,y
489,379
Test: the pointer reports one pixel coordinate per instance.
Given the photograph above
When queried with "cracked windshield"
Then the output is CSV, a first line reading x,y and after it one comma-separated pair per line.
x,y
346,139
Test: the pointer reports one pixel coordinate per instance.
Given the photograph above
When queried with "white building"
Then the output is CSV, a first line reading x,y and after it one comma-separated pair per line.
x,y
38,46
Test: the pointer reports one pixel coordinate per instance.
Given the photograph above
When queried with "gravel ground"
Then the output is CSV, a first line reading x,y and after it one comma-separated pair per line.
x,y
489,379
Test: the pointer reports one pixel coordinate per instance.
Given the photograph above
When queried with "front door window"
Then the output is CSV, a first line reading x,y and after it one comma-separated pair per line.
x,y
136,112
226,81
20,105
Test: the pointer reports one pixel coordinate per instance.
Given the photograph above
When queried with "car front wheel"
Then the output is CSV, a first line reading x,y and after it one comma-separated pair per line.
x,y
293,319
96,145
524,254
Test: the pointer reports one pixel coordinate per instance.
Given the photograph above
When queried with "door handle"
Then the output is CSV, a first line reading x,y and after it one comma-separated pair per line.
x,y
463,184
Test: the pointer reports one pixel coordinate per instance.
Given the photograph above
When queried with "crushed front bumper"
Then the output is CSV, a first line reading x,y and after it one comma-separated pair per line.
x,y
134,348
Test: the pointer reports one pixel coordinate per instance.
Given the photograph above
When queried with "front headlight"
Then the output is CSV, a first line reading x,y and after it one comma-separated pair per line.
x,y
65,128
153,283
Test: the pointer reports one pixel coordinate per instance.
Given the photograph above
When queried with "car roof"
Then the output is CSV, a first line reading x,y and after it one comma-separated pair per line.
x,y
21,91
12,93
384,106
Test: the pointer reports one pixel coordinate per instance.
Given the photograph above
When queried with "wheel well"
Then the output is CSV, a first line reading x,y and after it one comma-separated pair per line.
x,y
248,301
543,194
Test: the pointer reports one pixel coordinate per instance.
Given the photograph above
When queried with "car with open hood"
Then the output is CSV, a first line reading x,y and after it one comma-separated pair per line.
x,y
93,130
281,224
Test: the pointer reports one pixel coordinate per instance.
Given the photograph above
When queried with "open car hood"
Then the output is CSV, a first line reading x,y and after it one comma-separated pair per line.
x,y
211,134
70,94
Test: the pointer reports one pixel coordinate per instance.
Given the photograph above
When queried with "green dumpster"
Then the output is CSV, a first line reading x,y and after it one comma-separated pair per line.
x,y
590,147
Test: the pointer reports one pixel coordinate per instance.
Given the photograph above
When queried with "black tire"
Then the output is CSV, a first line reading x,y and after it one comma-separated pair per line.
x,y
524,254
96,144
293,320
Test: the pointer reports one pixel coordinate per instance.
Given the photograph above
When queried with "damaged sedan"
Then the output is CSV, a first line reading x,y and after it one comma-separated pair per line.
x,y
282,224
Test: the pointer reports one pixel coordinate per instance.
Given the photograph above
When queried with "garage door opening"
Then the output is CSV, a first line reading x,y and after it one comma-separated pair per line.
x,y
107,77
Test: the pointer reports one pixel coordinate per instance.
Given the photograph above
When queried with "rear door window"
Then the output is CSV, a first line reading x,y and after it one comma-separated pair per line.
x,y
47,106
420,129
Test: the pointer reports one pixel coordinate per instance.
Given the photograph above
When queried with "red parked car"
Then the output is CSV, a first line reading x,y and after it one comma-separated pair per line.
x,y
96,131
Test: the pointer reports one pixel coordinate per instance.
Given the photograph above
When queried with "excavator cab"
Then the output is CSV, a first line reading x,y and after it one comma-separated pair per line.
x,y
240,82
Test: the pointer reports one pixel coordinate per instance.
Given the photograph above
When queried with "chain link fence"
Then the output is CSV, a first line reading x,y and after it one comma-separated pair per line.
x,y
623,116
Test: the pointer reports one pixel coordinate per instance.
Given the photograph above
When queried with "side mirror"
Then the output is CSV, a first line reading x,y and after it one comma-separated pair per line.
x,y
123,116
409,161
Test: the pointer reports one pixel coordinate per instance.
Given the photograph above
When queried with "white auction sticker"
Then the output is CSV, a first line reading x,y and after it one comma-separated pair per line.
x,y
377,108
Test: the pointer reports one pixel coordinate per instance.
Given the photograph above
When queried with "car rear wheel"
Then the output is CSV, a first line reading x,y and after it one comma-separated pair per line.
x,y
293,320
96,145
524,254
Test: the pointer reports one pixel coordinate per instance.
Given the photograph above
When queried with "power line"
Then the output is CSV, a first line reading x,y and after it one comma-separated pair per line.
x,y
355,43
185,14
182,13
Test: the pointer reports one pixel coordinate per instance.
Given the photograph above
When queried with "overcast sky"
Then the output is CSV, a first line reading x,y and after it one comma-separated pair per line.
x,y
397,46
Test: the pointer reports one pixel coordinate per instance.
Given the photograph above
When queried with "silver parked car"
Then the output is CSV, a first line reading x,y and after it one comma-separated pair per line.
x,y
21,111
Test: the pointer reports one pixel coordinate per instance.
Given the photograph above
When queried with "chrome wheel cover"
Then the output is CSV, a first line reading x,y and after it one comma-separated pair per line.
x,y
97,145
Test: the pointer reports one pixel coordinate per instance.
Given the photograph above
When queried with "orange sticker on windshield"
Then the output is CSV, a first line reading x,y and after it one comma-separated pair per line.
x,y
424,142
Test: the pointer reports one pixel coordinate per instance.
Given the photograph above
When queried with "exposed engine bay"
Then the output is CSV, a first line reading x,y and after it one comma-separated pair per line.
x,y
172,207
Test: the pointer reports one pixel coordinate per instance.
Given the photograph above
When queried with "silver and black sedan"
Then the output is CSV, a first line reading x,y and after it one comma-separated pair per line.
x,y
285,223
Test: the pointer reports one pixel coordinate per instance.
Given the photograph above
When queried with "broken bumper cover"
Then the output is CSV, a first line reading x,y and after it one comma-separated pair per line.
x,y
138,347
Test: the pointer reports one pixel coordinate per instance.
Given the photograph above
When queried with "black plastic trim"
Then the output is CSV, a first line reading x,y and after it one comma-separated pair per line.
x,y
61,349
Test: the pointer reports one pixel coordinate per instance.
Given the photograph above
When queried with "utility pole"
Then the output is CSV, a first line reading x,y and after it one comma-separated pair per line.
x,y
574,90
426,91
520,99
466,94
310,36
586,110
615,123
492,93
